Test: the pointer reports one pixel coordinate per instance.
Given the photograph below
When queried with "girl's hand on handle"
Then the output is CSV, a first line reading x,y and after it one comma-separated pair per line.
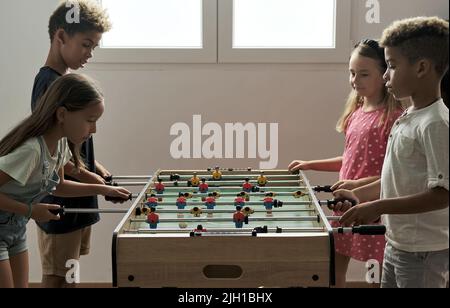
x,y
346,184
298,165
41,212
344,195
117,193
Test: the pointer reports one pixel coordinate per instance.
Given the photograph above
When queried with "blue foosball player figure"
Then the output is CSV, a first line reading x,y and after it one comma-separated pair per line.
x,y
247,186
152,201
153,218
181,201
203,187
210,202
159,187
239,201
238,217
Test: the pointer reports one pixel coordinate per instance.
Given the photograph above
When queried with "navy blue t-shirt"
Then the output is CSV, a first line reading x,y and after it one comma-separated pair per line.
x,y
68,222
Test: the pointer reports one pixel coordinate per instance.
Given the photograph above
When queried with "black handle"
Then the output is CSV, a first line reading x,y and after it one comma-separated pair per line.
x,y
370,230
118,199
108,179
332,203
326,188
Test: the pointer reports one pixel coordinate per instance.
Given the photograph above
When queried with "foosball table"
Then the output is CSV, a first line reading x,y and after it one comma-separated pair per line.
x,y
226,228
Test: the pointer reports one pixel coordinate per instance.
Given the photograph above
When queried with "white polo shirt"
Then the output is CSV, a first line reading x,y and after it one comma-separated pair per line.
x,y
417,159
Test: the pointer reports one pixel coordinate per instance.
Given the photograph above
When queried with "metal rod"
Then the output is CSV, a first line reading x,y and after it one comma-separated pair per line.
x,y
224,231
230,211
229,194
236,188
229,219
235,177
94,211
230,203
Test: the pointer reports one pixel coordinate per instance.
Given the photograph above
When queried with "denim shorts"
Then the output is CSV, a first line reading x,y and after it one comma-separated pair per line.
x,y
403,269
13,237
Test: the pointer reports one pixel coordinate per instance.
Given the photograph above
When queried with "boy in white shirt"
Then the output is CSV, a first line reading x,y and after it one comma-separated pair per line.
x,y
413,191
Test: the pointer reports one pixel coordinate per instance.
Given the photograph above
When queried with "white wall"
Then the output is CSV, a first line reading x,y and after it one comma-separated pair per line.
x,y
143,101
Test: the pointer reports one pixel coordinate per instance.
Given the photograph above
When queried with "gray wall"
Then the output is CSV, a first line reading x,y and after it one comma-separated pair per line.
x,y
144,101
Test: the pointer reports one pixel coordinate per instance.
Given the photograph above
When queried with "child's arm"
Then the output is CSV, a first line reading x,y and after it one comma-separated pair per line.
x,y
431,200
331,164
84,175
69,189
101,170
353,184
39,212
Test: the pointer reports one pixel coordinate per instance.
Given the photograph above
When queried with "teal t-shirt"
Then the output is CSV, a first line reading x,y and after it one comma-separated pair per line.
x,y
25,166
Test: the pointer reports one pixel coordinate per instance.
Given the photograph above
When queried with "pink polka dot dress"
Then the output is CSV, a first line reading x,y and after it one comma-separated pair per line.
x,y
365,148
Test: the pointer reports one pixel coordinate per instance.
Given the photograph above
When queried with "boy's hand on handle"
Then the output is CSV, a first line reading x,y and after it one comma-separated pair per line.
x,y
298,165
41,212
346,195
346,184
362,214
117,194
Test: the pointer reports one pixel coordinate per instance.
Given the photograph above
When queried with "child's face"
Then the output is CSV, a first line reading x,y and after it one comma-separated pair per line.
x,y
399,75
76,50
366,77
78,126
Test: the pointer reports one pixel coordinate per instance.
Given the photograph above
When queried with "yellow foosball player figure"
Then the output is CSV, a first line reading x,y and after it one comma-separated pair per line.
x,y
262,179
195,180
217,175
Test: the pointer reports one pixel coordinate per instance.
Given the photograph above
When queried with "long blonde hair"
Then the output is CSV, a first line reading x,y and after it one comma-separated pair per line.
x,y
74,92
370,49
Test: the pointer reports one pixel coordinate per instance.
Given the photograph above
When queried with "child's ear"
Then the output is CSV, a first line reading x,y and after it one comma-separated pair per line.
x,y
423,67
61,114
60,36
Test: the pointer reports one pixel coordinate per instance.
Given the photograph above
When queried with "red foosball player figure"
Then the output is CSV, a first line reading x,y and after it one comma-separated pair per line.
x,y
159,187
195,181
268,203
210,202
239,201
181,201
200,229
203,187
217,175
262,179
247,186
152,201
238,217
153,218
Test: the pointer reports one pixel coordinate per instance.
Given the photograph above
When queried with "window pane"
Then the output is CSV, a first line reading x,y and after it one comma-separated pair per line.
x,y
154,24
284,24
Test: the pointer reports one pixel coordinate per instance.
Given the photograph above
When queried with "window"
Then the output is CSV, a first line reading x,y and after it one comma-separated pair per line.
x,y
283,24
154,24
160,31
226,31
284,31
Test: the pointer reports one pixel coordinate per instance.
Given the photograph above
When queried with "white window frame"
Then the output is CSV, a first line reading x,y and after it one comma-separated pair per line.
x,y
217,44
207,54
338,54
